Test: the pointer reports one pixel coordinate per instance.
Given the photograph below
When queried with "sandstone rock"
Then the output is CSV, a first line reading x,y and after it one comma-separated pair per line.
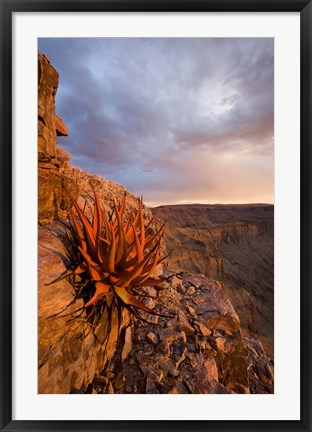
x,y
234,368
191,291
67,361
178,350
260,369
150,303
203,329
173,391
171,323
168,366
151,337
150,291
211,366
120,383
150,387
196,363
220,342
127,344
54,162
52,198
191,310
163,348
48,79
150,373
185,325
179,388
60,127
170,334
46,165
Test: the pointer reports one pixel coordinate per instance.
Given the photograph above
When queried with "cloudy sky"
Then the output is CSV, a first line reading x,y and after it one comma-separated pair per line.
x,y
177,120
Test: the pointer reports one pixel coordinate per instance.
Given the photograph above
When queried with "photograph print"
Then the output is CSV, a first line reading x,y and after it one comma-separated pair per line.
x,y
156,216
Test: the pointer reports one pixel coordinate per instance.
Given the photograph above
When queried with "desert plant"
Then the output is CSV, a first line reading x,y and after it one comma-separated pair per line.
x,y
117,257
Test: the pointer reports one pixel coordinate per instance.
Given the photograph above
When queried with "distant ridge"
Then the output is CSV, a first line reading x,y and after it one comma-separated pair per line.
x,y
216,204
232,243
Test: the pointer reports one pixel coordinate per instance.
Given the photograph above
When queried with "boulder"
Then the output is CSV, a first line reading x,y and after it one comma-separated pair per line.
x,y
53,201
166,359
69,354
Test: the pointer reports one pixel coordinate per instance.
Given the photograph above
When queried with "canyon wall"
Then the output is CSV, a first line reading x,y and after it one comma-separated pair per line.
x,y
233,244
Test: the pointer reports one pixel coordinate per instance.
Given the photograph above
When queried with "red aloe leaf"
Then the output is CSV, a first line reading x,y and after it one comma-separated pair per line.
x,y
97,223
130,300
80,269
142,224
152,238
139,249
108,238
127,226
153,266
121,251
120,211
129,234
152,282
101,290
136,271
159,260
111,255
97,215
104,240
129,264
79,231
137,217
92,267
85,223
108,227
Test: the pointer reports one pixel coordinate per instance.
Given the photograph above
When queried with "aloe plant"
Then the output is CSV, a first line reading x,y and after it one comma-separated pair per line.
x,y
117,257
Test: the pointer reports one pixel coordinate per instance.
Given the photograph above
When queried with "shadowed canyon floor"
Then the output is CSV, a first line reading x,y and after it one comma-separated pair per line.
x,y
233,244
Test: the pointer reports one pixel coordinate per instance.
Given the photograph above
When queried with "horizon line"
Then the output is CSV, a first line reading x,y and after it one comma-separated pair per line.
x,y
156,205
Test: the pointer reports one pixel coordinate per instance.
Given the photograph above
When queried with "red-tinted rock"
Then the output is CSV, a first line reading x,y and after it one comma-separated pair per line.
x,y
60,127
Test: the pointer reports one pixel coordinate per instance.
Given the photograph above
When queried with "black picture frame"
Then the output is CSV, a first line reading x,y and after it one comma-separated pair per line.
x,y
7,10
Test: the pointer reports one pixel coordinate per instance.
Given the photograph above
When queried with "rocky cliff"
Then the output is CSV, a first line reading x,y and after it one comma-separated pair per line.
x,y
52,201
199,350
233,244
195,346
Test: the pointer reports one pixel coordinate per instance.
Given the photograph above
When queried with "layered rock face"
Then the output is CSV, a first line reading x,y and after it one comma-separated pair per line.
x,y
232,244
52,200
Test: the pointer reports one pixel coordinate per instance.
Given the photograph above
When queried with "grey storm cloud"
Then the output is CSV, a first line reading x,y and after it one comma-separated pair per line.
x,y
176,119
